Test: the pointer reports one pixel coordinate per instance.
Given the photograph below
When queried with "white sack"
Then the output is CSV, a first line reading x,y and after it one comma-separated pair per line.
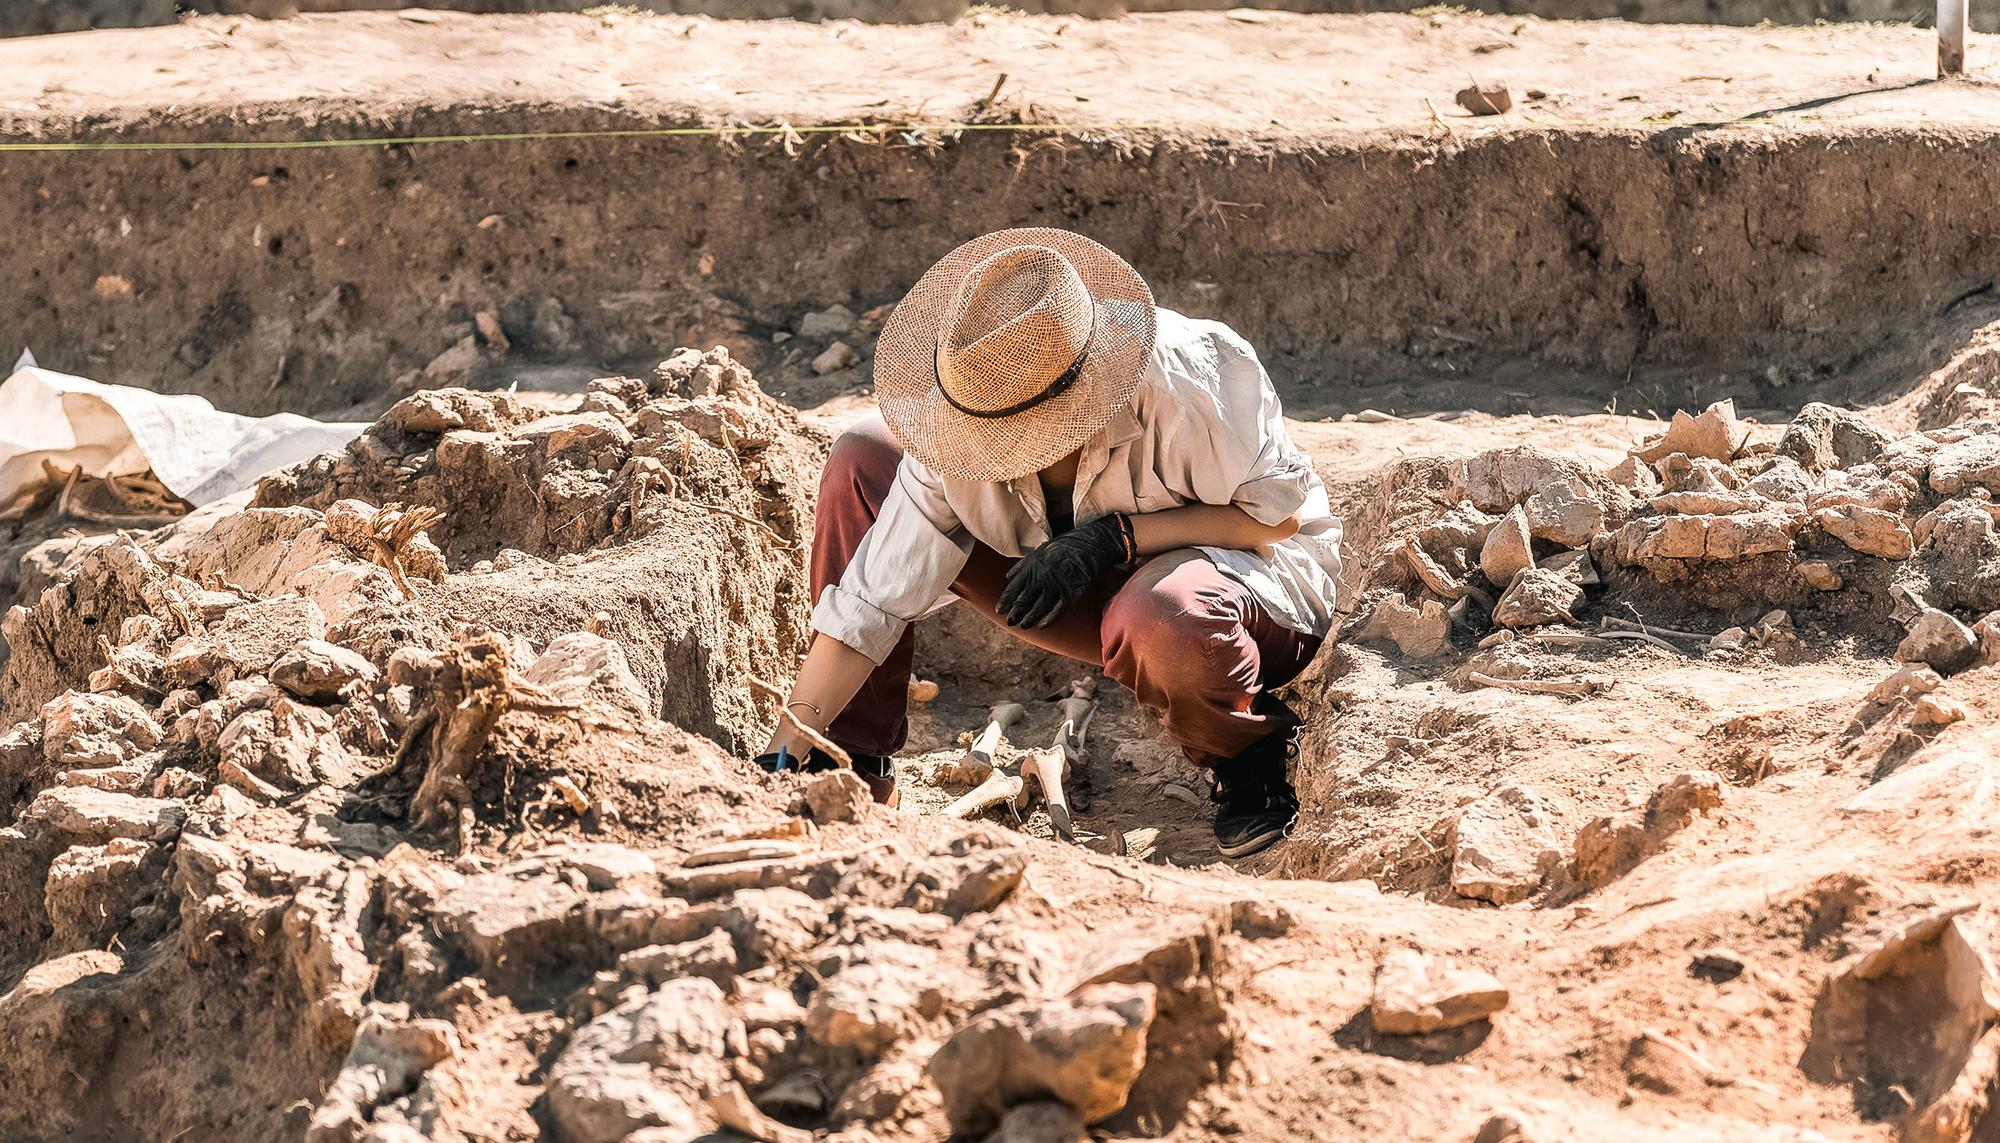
x,y
198,451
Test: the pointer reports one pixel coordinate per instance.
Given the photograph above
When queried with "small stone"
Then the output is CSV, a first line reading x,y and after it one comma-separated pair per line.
x,y
1538,596
1820,576
1719,963
833,358
1039,1123
838,796
1505,844
1729,639
1422,631
1940,642
1869,531
1636,475
96,816
1823,437
1970,463
712,956
1715,434
1415,994
1575,567
1086,1051
1909,682
872,1005
490,332
1937,710
1502,1127
1508,549
1485,98
317,670
834,321
1561,514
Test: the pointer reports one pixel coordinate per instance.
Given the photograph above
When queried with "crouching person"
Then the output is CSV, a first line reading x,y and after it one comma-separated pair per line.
x,y
1109,480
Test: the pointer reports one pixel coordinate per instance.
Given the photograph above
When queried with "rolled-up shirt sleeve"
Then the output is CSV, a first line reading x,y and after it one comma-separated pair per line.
x,y
904,565
1231,444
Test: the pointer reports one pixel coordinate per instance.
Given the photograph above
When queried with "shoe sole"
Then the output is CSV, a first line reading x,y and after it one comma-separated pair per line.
x,y
1256,843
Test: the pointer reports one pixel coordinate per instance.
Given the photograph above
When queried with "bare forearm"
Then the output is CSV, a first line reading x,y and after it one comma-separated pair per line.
x,y
1206,526
826,682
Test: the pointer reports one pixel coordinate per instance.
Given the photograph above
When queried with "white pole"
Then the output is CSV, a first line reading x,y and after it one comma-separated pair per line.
x,y
1951,37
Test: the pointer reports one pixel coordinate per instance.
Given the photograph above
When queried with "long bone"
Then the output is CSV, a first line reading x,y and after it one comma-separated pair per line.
x,y
1049,767
995,785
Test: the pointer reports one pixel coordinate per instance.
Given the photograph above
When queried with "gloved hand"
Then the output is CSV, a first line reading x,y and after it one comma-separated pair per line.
x,y
1049,580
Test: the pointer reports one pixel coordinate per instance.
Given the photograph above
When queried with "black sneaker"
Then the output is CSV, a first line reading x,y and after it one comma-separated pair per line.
x,y
1256,805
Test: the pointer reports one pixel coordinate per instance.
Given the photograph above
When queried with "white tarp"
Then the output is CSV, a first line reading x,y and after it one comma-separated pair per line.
x,y
198,451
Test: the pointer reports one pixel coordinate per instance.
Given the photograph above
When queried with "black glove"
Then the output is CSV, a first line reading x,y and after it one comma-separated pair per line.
x,y
1047,581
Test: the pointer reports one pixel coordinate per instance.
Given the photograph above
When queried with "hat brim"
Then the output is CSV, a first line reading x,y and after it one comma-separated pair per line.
x,y
956,444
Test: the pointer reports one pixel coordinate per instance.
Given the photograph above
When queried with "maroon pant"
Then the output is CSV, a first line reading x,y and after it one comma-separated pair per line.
x,y
1188,640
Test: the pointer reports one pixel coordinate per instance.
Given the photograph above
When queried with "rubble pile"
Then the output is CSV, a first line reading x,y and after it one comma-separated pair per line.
x,y
406,785
408,802
1834,517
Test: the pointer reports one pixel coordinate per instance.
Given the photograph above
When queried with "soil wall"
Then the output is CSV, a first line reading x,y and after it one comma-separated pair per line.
x,y
32,17
1774,266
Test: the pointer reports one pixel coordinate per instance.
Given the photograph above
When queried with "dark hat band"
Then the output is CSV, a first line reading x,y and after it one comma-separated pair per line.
x,y
1056,388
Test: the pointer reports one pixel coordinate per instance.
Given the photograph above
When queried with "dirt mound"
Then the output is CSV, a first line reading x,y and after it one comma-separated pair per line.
x,y
360,822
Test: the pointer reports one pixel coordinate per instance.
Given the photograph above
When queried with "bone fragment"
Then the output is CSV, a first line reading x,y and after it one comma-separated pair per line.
x,y
999,721
1047,767
1571,687
998,787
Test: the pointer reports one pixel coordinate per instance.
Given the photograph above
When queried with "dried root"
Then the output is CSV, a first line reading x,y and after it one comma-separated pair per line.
x,y
471,691
392,531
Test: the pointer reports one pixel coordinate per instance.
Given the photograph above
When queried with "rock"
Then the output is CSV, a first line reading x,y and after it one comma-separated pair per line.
x,y
1719,963
870,1006
1823,437
1609,846
456,365
247,642
504,924
1908,682
1636,475
317,670
834,321
82,730
1085,1051
1820,576
833,358
91,889
94,817
1906,1013
579,667
645,1063
1415,994
1731,537
1503,1127
1538,596
387,1059
838,796
1680,472
1972,462
1940,642
1418,632
1715,434
1575,567
1938,710
1508,550
1708,503
712,957
1485,98
1505,844
1784,481
593,432
1039,1123
1564,514
1988,632
1662,1064
1869,531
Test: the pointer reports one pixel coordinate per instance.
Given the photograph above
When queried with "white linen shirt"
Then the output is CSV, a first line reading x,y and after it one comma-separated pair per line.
x,y
1204,427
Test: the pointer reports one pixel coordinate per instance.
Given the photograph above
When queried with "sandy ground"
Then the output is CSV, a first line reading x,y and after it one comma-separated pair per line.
x,y
1241,71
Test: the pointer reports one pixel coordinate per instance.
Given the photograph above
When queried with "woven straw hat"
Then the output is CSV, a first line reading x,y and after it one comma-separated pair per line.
x,y
1011,352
